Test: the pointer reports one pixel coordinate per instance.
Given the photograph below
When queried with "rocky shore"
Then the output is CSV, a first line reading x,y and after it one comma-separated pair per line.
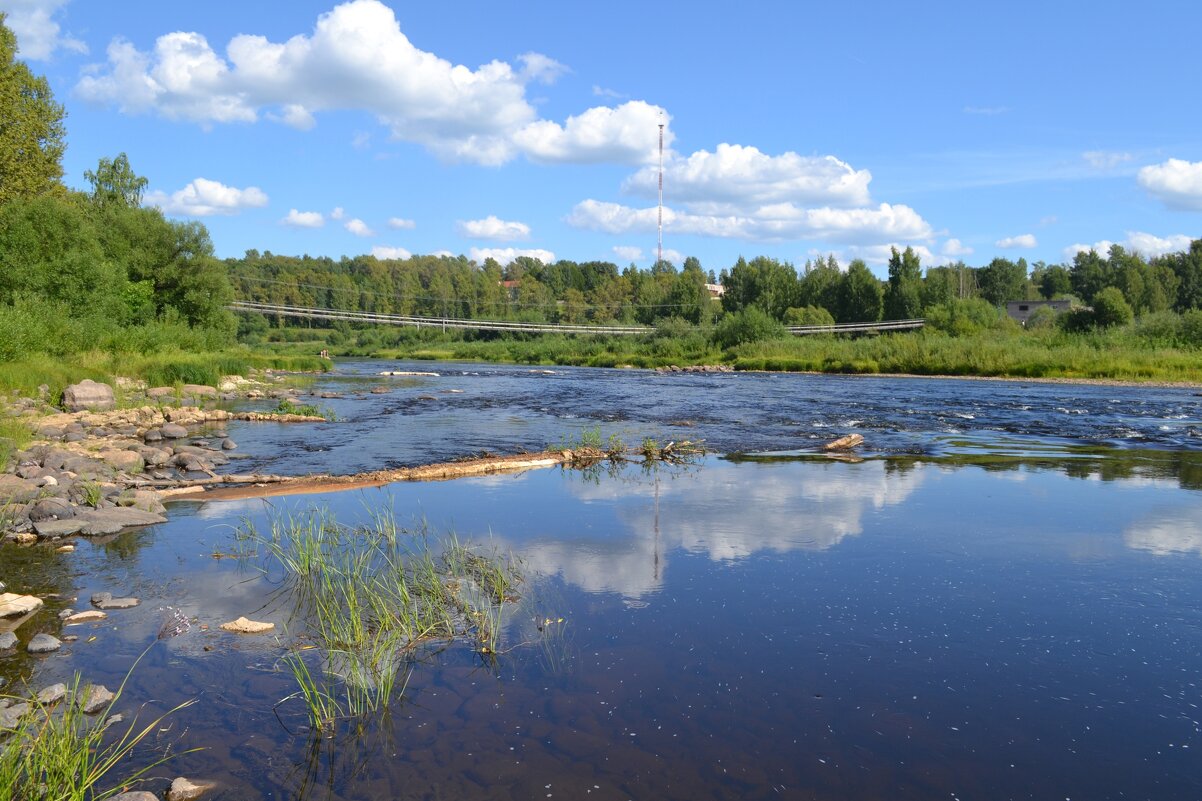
x,y
99,470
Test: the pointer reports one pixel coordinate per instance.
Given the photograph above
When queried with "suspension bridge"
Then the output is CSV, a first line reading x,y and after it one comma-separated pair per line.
x,y
447,323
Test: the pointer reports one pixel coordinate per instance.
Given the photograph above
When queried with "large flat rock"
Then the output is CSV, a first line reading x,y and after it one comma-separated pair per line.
x,y
88,394
49,529
97,522
14,605
17,490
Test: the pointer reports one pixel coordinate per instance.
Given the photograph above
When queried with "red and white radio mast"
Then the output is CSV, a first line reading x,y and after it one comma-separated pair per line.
x,y
661,188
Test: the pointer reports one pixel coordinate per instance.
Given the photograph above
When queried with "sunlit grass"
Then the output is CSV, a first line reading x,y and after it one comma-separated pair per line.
x,y
365,597
57,753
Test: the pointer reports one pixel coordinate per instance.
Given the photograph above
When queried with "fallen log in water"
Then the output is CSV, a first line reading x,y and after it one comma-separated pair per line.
x,y
240,487
843,443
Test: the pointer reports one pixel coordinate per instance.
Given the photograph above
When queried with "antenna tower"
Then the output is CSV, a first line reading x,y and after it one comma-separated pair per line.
x,y
661,191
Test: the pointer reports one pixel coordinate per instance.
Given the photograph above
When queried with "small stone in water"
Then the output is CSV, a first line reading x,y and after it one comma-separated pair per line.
x,y
185,790
52,694
244,626
96,699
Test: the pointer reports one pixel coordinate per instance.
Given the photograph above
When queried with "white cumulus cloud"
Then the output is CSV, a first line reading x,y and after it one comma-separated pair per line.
x,y
627,134
386,252
338,213
38,34
1020,241
204,198
882,224
1149,245
494,228
738,191
358,58
955,249
737,178
304,219
1177,183
358,227
540,68
628,252
401,224
505,255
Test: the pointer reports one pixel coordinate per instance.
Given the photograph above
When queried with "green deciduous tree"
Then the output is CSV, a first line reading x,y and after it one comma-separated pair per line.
x,y
1002,280
1110,308
861,298
764,282
31,127
1055,281
114,181
903,296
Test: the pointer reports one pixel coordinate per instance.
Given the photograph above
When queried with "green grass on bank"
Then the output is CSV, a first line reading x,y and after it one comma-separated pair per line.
x,y
1124,353
164,368
1103,355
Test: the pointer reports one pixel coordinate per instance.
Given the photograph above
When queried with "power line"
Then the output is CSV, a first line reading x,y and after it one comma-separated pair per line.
x,y
433,299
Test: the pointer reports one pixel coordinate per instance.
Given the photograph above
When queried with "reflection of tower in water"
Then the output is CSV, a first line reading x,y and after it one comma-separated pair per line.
x,y
655,529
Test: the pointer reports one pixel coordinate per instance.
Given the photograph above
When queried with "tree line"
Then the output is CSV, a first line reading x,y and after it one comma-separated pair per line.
x,y
91,269
822,292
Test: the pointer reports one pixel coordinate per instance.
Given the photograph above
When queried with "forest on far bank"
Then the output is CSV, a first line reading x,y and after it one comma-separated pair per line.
x,y
95,283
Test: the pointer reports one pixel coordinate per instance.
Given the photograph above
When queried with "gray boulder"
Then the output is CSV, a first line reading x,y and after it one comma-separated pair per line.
x,y
52,694
173,431
17,490
43,644
88,394
96,698
97,522
51,509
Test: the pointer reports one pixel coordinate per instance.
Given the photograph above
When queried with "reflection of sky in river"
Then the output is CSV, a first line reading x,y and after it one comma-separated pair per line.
x,y
621,533
871,630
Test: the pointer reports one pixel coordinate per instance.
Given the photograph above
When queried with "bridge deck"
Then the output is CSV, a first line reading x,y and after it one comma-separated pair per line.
x,y
509,325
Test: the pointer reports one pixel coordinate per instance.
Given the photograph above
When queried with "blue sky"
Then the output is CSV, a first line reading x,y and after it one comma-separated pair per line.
x,y
793,128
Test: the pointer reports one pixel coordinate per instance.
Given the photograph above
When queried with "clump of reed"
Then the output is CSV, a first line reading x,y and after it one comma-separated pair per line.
x,y
15,435
54,752
365,597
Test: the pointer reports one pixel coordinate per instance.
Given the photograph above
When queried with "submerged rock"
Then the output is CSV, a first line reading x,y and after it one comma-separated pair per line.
x,y
135,795
186,790
105,600
8,641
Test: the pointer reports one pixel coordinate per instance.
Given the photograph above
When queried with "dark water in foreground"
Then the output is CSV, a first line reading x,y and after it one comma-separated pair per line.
x,y
994,612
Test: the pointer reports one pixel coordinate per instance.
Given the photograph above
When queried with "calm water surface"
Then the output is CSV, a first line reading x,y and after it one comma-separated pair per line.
x,y
1005,601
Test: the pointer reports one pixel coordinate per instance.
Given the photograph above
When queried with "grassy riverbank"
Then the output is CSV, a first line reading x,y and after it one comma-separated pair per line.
x,y
157,369
1125,354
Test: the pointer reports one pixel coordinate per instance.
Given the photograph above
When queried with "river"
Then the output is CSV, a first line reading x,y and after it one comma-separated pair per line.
x,y
1000,598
